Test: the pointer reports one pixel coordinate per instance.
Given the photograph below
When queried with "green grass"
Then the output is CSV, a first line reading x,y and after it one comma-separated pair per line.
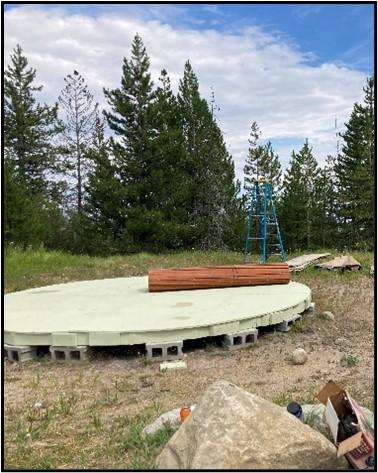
x,y
143,449
349,360
38,267
121,443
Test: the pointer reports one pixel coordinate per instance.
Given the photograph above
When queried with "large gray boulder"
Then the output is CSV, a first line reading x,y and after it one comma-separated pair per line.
x,y
233,429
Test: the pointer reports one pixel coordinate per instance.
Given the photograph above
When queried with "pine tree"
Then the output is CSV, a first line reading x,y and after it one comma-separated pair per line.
x,y
211,186
31,215
270,168
130,119
192,109
102,221
251,167
169,171
261,163
298,201
22,224
29,127
220,188
355,170
81,115
324,214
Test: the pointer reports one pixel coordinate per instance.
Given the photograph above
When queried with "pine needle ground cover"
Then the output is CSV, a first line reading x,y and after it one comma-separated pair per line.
x,y
91,415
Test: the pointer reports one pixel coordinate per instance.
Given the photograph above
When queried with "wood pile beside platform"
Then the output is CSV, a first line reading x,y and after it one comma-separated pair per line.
x,y
208,277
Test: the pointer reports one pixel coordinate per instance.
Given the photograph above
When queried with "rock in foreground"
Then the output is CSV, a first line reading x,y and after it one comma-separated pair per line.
x,y
299,356
233,429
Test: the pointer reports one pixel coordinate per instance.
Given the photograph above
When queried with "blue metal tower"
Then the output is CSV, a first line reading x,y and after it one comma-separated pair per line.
x,y
262,224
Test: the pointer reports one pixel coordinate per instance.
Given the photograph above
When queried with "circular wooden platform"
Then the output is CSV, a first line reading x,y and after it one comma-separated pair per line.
x,y
121,311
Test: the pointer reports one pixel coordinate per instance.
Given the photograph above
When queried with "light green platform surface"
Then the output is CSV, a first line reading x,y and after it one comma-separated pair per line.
x,y
121,311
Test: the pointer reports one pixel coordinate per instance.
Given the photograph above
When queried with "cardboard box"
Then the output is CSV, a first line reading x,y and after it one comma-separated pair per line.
x,y
359,447
337,406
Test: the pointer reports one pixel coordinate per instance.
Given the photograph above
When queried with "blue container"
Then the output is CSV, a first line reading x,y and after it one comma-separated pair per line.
x,y
295,409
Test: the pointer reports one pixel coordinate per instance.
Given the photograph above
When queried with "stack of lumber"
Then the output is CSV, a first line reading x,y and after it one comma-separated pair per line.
x,y
209,277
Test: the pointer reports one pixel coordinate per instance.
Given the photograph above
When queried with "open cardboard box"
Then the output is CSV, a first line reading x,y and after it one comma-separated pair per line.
x,y
337,402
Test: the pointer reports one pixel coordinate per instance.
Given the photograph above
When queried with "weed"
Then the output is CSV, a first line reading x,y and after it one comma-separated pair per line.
x,y
66,406
301,325
96,421
349,359
47,463
147,361
283,399
143,449
157,406
122,386
109,397
20,432
35,383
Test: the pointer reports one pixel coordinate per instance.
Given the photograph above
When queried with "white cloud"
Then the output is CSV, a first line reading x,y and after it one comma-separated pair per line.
x,y
256,75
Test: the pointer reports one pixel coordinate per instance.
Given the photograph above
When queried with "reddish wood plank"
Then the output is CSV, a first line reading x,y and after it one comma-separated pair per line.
x,y
217,276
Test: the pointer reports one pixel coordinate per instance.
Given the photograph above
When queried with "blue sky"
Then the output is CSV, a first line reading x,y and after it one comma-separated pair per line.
x,y
340,33
292,68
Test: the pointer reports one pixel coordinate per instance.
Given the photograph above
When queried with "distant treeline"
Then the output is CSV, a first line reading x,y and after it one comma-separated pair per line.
x,y
164,180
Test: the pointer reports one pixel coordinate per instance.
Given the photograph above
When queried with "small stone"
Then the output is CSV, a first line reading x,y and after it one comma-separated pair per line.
x,y
327,315
37,405
299,356
341,341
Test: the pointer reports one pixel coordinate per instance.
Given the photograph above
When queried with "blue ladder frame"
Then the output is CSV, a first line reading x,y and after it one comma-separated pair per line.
x,y
262,206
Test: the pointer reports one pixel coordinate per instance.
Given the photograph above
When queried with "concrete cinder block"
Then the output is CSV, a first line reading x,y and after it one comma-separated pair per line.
x,y
310,311
164,351
20,353
238,340
285,325
77,353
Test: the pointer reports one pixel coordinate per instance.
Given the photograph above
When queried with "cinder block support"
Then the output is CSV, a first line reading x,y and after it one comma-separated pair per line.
x,y
78,353
310,311
285,325
164,351
238,340
20,353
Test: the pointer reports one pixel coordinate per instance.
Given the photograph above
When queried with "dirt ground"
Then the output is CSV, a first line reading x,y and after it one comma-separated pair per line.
x,y
76,415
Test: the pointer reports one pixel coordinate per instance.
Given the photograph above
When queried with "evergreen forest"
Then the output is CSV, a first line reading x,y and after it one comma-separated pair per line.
x,y
152,172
